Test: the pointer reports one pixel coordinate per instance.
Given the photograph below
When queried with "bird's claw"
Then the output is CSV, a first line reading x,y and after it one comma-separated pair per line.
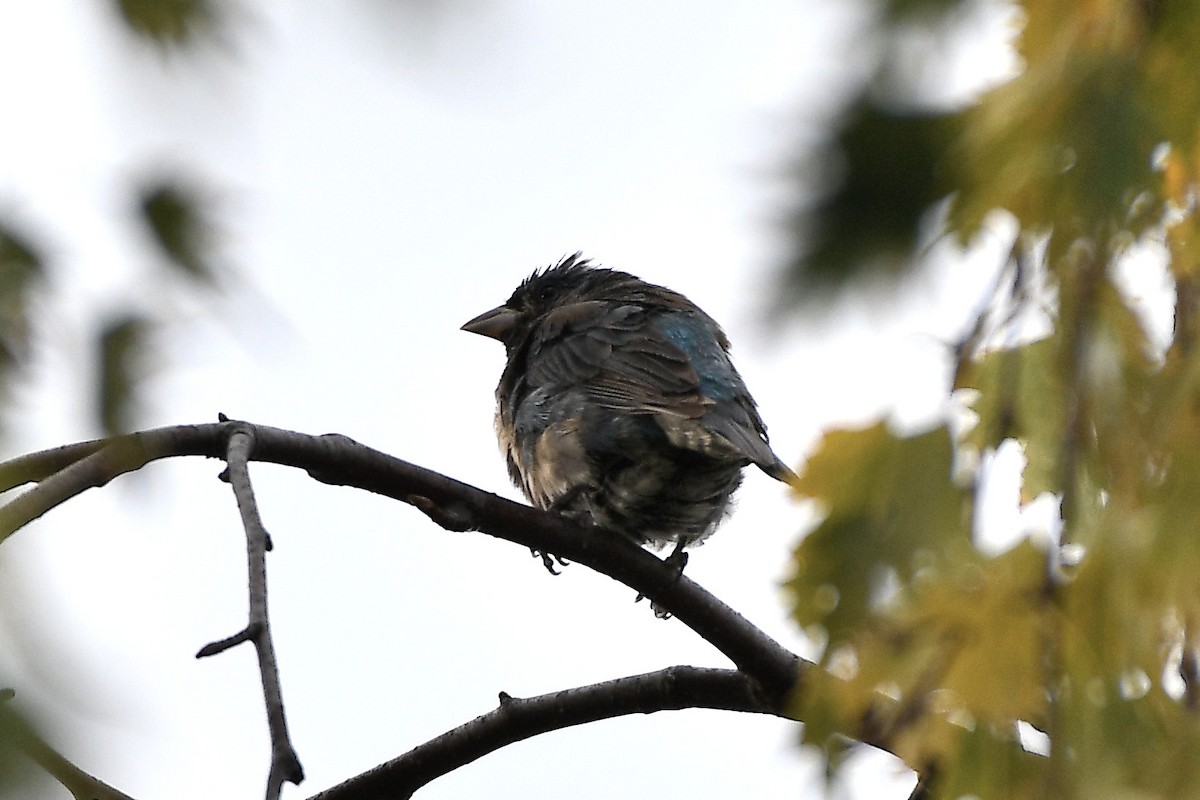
x,y
676,561
549,560
658,610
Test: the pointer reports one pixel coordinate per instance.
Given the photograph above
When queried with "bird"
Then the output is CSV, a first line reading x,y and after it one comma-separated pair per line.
x,y
619,405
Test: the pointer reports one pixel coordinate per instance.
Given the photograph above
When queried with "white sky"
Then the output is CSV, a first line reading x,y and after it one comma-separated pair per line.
x,y
388,171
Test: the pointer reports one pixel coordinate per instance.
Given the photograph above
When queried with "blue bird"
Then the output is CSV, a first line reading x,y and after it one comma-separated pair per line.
x,y
619,404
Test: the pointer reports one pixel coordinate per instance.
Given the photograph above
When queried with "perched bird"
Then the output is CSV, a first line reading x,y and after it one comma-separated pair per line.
x,y
619,404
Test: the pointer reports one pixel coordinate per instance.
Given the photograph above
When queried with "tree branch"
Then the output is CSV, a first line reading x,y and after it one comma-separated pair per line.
x,y
285,763
33,467
338,460
59,478
517,719
772,670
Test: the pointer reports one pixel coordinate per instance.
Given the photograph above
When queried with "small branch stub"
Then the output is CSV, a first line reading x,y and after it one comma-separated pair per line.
x,y
214,648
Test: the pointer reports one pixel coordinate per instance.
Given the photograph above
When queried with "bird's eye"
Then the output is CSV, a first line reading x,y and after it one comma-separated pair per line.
x,y
547,293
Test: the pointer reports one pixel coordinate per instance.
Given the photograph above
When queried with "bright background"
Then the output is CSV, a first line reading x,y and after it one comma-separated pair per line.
x,y
386,170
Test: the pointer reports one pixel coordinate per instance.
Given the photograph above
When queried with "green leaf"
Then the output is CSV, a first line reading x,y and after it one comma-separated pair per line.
x,y
122,346
906,9
169,22
21,272
983,761
891,508
891,173
1121,746
1021,396
1066,145
181,225
1096,364
958,647
973,633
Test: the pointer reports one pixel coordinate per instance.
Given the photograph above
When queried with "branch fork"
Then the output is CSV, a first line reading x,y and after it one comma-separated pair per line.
x,y
766,673
285,763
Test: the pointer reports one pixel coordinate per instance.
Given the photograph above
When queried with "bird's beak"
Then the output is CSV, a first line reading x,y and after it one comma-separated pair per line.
x,y
497,323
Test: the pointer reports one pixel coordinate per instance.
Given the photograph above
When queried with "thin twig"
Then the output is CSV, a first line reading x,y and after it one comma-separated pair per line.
x,y
1187,304
1189,664
516,719
972,340
285,763
1078,320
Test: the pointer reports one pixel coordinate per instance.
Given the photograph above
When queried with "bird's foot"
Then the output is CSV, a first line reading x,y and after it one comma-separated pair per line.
x,y
678,559
549,560
567,508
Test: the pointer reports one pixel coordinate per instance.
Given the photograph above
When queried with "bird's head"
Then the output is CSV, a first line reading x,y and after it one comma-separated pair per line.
x,y
572,280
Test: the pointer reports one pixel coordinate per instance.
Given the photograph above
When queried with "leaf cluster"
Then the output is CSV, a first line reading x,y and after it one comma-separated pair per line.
x,y
1097,129
945,653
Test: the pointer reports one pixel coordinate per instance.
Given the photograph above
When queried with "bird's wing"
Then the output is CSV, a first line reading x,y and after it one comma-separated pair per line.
x,y
617,357
627,363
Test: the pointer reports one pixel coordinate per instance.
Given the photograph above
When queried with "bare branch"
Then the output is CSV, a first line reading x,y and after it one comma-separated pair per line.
x,y
339,460
516,719
34,467
94,464
285,763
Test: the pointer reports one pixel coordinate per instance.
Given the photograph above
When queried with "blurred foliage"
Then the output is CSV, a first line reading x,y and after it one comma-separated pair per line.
x,y
891,174
169,22
181,224
21,274
29,766
20,776
122,343
872,532
1064,146
1090,634
902,10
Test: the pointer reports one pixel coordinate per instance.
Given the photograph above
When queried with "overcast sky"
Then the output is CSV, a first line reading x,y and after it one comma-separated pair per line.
x,y
387,170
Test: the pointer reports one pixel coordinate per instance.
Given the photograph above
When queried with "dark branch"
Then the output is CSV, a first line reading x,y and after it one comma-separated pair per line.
x,y
341,461
516,719
774,671
285,763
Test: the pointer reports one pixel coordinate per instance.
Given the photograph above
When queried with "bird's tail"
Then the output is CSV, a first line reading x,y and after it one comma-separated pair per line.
x,y
780,471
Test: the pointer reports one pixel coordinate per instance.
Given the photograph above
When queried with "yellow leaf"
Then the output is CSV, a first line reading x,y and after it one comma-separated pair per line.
x,y
890,508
